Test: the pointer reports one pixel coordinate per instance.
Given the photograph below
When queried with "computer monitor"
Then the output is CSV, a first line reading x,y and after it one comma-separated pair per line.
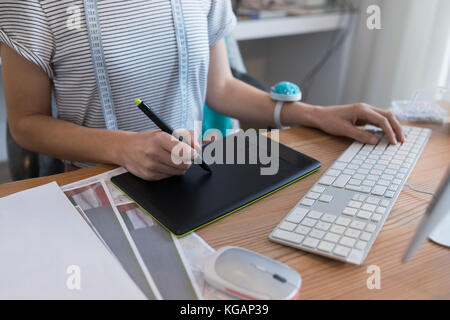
x,y
437,211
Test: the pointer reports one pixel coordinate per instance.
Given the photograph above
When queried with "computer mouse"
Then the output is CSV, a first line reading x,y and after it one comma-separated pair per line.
x,y
251,276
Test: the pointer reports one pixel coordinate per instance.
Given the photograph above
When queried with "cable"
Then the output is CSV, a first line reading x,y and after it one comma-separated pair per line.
x,y
420,191
339,40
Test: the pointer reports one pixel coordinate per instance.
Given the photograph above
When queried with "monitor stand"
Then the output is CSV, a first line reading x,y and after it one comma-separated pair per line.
x,y
441,234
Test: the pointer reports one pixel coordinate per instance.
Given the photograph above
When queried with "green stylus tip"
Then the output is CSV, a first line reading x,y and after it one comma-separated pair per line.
x,y
138,101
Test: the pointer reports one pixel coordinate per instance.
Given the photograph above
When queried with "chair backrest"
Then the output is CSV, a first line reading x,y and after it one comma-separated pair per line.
x,y
25,164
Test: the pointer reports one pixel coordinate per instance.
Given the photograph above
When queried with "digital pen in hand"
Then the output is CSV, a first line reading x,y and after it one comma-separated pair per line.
x,y
166,128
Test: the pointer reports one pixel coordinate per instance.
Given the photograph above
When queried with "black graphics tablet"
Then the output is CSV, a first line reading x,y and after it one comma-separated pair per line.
x,y
185,204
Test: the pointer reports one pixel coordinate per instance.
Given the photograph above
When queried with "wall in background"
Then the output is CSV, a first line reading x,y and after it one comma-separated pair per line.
x,y
411,51
291,58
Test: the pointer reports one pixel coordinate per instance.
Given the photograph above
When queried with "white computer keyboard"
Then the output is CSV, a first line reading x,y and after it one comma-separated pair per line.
x,y
342,214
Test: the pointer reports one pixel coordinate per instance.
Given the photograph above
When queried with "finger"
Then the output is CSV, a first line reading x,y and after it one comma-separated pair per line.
x,y
395,124
176,147
379,120
169,170
188,137
360,135
169,159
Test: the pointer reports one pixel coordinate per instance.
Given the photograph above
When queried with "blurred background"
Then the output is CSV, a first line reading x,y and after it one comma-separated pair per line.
x,y
332,51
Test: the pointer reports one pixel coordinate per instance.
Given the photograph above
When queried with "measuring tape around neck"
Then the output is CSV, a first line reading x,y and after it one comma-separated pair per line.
x,y
101,72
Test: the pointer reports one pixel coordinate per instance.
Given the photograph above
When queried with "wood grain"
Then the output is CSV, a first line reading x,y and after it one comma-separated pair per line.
x,y
425,276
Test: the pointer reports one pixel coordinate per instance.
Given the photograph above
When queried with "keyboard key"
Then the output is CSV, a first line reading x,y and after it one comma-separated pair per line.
x,y
355,204
369,207
334,172
359,197
339,165
287,236
307,202
377,217
326,198
328,218
310,242
366,236
364,214
326,246
341,251
384,183
314,214
365,189
359,177
355,182
369,183
351,152
341,181
352,233
346,241
332,237
361,245
373,200
337,229
343,221
308,222
323,226
288,226
379,190
349,211
303,230
381,210
389,194
317,234
371,227
349,172
327,180
313,195
385,203
297,215
358,225
318,189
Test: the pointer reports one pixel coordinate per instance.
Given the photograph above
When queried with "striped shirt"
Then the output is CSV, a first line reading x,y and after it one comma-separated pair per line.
x,y
140,50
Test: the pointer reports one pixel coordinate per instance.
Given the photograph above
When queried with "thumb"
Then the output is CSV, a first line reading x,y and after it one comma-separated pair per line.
x,y
360,135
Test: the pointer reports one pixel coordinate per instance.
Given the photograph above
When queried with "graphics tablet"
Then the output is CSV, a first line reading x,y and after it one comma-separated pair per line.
x,y
186,203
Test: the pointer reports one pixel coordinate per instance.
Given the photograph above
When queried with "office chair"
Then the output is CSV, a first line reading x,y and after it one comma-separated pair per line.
x,y
25,164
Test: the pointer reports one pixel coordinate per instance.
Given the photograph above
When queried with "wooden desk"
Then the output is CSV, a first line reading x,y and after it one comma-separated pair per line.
x,y
425,276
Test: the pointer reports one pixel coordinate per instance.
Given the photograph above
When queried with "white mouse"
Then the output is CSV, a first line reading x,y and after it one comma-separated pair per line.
x,y
248,275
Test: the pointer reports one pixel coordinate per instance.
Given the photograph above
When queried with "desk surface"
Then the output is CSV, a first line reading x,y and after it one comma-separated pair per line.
x,y
425,276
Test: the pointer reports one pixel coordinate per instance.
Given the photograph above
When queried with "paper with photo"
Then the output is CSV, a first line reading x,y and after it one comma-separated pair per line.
x,y
94,201
44,240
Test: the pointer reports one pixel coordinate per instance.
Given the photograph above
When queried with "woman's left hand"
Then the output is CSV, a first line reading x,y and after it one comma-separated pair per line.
x,y
345,120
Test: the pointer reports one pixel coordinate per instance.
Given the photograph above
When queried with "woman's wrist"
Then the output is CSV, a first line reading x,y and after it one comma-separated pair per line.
x,y
118,150
301,114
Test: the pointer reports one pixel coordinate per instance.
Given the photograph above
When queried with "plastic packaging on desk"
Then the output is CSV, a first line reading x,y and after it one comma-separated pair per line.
x,y
423,107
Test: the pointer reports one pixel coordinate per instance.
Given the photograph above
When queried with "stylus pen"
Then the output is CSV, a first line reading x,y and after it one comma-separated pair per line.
x,y
166,128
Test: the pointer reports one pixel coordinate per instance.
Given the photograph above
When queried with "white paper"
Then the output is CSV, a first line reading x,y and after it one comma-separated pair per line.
x,y
48,251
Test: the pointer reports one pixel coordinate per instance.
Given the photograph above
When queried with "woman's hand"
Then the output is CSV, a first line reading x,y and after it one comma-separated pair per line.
x,y
344,121
156,155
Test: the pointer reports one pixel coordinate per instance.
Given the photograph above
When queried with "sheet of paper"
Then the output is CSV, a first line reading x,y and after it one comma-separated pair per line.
x,y
95,206
48,251
197,252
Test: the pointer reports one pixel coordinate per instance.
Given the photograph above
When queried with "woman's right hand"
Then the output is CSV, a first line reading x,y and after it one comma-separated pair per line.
x,y
148,154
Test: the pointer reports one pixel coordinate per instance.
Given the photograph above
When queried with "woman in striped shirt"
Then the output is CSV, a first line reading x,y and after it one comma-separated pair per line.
x,y
45,49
